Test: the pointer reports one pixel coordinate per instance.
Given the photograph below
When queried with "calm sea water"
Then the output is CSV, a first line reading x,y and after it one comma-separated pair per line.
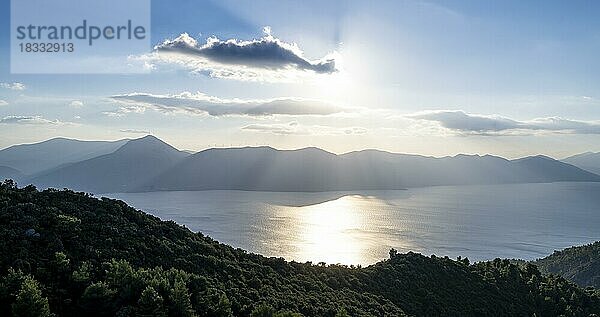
x,y
524,221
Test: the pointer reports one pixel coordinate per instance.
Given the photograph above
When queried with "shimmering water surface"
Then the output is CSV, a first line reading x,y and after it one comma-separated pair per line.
x,y
481,222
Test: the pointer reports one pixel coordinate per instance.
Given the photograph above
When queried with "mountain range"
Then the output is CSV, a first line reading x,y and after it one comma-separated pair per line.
x,y
133,164
149,164
311,169
33,158
588,161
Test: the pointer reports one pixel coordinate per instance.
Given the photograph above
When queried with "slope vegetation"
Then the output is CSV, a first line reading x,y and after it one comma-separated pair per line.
x,y
71,254
580,264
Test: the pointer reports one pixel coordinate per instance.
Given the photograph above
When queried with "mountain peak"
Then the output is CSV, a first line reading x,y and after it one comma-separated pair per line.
x,y
536,157
148,143
583,155
147,140
136,161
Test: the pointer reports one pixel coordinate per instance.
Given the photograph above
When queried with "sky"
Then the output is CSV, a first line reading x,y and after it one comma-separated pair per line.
x,y
509,78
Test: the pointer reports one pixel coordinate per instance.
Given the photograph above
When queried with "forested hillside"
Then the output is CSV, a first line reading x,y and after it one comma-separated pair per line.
x,y
71,254
578,264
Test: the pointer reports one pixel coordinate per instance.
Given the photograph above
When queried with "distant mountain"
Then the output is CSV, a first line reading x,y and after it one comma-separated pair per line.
x,y
542,169
260,168
133,163
149,164
34,158
580,264
588,161
10,173
312,169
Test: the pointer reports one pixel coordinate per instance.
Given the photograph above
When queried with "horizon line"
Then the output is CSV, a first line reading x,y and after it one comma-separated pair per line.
x,y
192,152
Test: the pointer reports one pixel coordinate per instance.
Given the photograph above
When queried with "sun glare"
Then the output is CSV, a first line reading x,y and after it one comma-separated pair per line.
x,y
328,228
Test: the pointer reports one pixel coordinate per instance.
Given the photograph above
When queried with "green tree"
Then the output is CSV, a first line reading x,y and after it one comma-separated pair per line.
x,y
223,308
263,310
11,283
287,314
341,313
29,301
150,304
61,262
97,300
83,274
181,304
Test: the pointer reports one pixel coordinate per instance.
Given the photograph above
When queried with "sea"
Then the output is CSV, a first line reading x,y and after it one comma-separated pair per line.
x,y
521,221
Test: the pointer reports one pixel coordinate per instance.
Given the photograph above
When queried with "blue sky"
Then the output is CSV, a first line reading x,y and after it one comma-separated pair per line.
x,y
511,78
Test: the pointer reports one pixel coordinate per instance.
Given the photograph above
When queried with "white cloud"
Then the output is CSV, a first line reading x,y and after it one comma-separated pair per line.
x,y
477,124
13,86
76,104
300,129
134,131
201,104
34,120
3,102
125,109
265,59
289,128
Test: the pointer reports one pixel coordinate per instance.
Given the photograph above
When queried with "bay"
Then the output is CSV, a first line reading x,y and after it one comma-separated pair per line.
x,y
525,221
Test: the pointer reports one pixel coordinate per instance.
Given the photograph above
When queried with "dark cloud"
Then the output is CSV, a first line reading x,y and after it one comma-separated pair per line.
x,y
265,53
459,120
480,124
200,104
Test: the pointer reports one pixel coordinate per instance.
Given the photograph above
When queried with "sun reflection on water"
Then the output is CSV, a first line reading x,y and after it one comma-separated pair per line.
x,y
360,228
325,232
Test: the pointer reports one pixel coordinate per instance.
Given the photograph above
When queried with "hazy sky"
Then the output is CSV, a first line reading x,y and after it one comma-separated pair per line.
x,y
511,78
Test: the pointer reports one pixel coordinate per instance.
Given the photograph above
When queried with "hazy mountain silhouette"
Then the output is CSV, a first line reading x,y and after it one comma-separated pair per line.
x,y
37,157
133,163
588,161
10,173
311,169
261,168
149,164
